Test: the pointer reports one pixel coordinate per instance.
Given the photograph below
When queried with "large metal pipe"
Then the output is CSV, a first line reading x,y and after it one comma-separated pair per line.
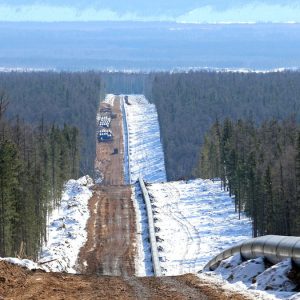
x,y
154,251
127,174
274,248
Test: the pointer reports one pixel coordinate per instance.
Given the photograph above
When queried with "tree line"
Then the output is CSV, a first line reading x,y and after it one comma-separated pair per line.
x,y
58,98
35,161
260,166
189,103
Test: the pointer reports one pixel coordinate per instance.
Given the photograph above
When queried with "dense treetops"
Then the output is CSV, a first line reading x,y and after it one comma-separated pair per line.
x,y
60,98
189,103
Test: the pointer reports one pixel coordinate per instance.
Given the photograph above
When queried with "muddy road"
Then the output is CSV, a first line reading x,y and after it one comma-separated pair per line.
x,y
111,233
110,247
108,163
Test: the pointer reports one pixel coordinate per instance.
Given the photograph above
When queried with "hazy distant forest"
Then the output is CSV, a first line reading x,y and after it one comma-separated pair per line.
x,y
189,103
48,130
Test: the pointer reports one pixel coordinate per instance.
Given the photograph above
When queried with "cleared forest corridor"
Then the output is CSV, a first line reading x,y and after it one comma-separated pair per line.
x,y
111,245
107,260
110,249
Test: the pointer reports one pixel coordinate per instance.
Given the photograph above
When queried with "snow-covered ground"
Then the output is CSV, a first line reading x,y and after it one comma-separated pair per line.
x,y
109,99
194,221
143,155
146,155
255,278
66,229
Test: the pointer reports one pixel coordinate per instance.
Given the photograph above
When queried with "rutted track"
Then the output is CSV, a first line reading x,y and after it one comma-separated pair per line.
x,y
110,247
111,233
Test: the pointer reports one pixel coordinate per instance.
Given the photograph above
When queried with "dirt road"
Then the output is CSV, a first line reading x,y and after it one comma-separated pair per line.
x,y
110,246
111,233
109,164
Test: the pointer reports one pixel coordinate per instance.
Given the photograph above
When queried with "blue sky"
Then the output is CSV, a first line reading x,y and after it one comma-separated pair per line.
x,y
194,11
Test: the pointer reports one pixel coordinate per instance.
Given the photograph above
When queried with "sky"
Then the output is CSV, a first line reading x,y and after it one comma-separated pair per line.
x,y
184,11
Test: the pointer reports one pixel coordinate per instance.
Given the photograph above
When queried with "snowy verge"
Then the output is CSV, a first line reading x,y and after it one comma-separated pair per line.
x,y
66,232
127,171
146,157
25,263
255,277
194,221
109,99
66,227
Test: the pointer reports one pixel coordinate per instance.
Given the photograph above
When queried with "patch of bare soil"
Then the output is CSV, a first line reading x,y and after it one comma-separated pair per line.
x,y
18,283
111,233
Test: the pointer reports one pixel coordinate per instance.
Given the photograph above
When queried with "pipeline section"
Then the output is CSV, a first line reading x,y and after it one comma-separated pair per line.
x,y
154,252
274,248
127,175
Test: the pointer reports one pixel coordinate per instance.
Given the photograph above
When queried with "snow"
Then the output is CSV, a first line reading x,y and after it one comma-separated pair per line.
x,y
254,277
109,99
25,263
143,155
66,227
221,284
66,232
146,157
275,278
195,220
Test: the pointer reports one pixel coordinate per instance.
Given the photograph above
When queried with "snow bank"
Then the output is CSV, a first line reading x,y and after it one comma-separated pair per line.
x,y
146,155
25,263
66,229
252,276
194,221
109,99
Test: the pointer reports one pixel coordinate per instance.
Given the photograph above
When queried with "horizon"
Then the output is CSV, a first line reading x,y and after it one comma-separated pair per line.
x,y
191,11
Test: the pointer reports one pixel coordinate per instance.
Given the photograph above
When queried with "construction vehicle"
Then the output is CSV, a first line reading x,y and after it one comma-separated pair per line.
x,y
104,135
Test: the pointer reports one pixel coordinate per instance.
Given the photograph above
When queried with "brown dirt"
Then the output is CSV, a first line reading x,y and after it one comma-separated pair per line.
x,y
111,165
111,233
18,283
110,249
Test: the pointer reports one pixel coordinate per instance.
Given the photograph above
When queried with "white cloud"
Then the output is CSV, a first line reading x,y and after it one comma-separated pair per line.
x,y
255,12
244,14
50,13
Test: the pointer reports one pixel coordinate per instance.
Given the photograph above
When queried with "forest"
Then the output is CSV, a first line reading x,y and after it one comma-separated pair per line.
x,y
189,103
35,161
260,166
48,133
48,136
57,98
